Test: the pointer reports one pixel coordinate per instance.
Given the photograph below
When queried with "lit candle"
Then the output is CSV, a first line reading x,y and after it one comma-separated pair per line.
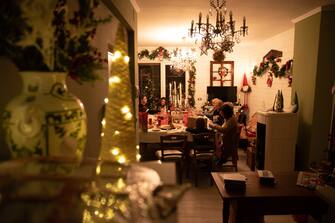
x,y
175,92
180,92
170,93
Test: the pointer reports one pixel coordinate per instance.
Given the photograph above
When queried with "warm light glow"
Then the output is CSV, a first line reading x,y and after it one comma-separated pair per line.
x,y
137,147
121,159
120,183
125,109
114,80
138,157
98,169
117,54
128,116
106,100
102,134
126,59
116,132
115,151
96,212
103,122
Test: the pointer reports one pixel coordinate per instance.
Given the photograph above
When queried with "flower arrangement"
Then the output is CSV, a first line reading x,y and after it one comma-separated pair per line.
x,y
44,36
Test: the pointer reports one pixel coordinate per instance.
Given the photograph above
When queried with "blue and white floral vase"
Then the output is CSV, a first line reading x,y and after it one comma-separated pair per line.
x,y
45,119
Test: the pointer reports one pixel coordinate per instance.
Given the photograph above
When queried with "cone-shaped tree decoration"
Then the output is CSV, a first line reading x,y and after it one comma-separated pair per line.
x,y
245,85
118,133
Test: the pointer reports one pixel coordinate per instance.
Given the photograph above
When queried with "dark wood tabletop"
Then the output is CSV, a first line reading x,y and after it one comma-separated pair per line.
x,y
284,197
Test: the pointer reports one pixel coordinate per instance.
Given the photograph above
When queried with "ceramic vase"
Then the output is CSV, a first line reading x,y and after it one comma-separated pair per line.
x,y
45,119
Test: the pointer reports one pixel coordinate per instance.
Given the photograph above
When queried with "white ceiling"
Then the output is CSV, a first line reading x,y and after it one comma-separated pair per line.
x,y
166,22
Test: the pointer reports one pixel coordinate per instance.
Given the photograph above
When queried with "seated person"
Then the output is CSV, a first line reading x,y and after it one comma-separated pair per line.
x,y
163,105
143,107
214,114
229,132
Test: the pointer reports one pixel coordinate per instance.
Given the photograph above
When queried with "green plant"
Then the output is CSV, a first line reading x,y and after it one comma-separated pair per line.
x,y
54,39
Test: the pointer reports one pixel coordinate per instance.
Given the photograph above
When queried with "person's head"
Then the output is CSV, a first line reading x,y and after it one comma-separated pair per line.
x,y
217,103
144,100
163,102
227,110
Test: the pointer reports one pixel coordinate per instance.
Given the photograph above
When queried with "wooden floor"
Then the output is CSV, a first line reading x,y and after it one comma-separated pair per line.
x,y
203,204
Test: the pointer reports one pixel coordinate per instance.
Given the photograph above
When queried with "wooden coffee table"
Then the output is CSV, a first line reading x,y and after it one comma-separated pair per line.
x,y
259,200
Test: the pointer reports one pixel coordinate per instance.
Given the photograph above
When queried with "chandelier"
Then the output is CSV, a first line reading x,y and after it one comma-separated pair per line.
x,y
183,58
221,36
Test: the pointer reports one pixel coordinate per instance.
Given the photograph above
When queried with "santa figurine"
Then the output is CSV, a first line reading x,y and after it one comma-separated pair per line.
x,y
245,86
246,89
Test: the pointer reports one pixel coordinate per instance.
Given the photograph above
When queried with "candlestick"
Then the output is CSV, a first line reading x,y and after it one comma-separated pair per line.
x,y
175,92
244,21
170,93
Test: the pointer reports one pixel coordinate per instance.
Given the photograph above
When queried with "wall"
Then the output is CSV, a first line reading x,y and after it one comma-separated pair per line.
x,y
313,79
262,97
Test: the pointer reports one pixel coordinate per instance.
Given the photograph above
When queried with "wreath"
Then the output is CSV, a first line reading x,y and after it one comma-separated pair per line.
x,y
159,52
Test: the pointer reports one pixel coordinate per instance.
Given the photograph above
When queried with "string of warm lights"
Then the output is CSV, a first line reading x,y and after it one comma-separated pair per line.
x,y
118,126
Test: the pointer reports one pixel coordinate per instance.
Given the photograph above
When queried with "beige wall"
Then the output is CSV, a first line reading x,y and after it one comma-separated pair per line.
x,y
313,78
262,96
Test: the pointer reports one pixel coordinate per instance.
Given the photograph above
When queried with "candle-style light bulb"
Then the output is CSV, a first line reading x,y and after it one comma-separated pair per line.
x,y
191,30
199,24
207,23
217,19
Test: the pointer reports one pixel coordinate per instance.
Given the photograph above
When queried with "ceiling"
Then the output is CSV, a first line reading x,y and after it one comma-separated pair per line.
x,y
166,22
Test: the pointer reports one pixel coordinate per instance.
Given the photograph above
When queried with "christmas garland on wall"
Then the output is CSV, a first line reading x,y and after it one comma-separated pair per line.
x,y
191,86
159,52
271,66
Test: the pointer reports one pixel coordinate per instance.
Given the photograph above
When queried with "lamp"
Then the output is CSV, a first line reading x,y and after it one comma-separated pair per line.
x,y
221,36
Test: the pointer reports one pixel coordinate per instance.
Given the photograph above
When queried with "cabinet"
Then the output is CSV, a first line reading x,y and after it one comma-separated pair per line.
x,y
276,140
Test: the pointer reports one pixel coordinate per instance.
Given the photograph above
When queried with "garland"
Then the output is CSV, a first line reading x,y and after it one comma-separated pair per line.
x,y
159,52
191,86
272,66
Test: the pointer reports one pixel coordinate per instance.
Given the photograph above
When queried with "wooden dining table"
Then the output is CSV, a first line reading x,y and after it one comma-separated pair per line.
x,y
285,197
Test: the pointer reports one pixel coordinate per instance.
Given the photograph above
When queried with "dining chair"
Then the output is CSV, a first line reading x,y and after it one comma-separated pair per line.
x,y
173,148
233,159
203,150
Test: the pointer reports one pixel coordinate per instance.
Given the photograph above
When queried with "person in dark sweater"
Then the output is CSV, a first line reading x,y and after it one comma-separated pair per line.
x,y
143,107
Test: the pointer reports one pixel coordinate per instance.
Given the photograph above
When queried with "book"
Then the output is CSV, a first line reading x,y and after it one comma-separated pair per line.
x,y
234,181
266,177
307,179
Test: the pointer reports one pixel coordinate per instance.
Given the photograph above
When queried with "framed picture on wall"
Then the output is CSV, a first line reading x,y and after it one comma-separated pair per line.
x,y
221,73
